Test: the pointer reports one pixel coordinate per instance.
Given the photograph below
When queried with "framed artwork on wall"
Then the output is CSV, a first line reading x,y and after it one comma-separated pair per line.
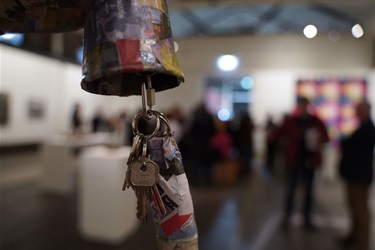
x,y
4,109
334,101
36,109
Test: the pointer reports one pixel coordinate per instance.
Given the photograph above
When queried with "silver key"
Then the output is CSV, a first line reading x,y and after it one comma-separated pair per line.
x,y
135,149
141,194
133,156
143,176
144,173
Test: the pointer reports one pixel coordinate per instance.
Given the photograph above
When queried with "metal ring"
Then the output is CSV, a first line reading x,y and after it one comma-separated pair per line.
x,y
165,120
148,115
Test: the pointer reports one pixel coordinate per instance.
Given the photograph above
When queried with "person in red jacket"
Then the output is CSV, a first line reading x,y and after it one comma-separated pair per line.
x,y
304,134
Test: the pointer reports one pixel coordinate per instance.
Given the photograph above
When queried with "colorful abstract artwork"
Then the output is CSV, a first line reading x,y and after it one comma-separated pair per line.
x,y
334,102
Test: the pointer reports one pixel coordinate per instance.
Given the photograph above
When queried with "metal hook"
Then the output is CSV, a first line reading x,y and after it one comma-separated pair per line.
x,y
149,83
144,98
148,95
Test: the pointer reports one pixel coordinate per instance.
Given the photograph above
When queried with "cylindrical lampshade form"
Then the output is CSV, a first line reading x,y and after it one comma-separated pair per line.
x,y
125,40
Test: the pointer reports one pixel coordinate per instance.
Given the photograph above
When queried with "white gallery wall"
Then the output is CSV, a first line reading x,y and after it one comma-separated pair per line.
x,y
275,64
27,77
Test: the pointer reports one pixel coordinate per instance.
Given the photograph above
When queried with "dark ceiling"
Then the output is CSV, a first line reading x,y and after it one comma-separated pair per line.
x,y
206,18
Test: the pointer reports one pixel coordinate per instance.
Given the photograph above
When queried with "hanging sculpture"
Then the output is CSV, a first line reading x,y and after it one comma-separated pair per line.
x,y
128,50
123,42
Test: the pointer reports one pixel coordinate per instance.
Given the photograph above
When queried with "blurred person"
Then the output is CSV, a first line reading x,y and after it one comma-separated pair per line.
x,y
243,140
175,120
356,168
305,134
77,127
76,120
98,122
281,145
201,130
270,146
113,122
221,141
124,128
225,165
115,129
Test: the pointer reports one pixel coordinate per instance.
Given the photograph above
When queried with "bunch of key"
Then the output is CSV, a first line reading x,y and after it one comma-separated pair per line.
x,y
155,172
142,174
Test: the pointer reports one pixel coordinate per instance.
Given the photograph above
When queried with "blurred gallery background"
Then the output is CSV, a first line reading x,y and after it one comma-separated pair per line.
x,y
245,62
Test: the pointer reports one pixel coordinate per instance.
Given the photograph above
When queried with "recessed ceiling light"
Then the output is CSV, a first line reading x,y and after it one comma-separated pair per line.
x,y
310,31
227,62
357,31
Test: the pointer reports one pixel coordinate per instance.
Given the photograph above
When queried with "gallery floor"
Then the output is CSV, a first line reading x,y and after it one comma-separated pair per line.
x,y
242,216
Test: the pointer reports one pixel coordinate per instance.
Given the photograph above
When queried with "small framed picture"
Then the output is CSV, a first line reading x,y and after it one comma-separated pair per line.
x,y
4,109
36,109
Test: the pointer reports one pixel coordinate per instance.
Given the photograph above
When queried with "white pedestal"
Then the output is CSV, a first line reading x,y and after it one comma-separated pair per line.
x,y
106,213
59,161
58,171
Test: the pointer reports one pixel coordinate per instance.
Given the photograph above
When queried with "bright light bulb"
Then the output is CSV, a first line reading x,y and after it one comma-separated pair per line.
x,y
223,114
357,31
227,62
310,31
247,82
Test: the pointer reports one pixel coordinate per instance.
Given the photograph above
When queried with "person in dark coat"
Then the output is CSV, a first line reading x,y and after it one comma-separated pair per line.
x,y
305,135
244,141
201,131
357,170
270,146
76,120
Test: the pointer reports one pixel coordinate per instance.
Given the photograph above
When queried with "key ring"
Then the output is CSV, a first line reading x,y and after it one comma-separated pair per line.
x,y
148,115
165,120
148,97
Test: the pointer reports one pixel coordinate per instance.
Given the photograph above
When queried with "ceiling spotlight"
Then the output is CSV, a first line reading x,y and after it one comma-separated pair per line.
x,y
310,31
227,62
357,31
